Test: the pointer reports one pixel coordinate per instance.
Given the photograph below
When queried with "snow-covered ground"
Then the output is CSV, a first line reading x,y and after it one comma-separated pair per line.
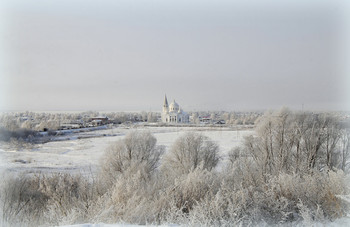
x,y
82,151
116,225
341,222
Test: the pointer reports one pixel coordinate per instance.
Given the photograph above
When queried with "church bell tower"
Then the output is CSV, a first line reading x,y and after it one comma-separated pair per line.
x,y
165,105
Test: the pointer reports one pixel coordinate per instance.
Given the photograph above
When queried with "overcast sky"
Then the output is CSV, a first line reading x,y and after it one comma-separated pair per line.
x,y
208,55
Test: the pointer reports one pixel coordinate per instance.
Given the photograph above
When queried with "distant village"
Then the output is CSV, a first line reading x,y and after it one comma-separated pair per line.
x,y
35,121
198,118
171,114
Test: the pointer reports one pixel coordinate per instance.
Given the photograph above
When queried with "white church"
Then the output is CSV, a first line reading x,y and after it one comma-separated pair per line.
x,y
173,113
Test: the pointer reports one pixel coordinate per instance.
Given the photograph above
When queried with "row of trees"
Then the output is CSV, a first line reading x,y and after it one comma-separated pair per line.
x,y
52,121
299,142
39,121
230,118
292,169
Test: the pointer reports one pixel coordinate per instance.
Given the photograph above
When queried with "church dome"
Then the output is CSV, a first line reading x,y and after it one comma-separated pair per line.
x,y
174,106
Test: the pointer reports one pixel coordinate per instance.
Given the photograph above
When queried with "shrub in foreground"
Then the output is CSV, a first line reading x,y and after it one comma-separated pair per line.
x,y
138,149
189,152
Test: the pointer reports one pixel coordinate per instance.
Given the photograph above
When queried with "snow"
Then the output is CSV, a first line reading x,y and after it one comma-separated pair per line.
x,y
80,150
340,222
116,225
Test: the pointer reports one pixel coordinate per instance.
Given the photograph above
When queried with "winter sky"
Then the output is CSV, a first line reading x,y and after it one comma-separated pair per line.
x,y
208,55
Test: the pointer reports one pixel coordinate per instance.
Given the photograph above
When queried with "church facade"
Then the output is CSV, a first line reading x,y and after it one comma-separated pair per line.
x,y
173,113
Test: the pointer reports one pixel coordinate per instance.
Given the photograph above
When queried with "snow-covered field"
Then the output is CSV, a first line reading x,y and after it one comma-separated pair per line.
x,y
82,151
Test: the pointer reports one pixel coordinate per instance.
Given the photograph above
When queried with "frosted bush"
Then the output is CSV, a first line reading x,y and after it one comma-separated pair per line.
x,y
138,149
188,152
36,199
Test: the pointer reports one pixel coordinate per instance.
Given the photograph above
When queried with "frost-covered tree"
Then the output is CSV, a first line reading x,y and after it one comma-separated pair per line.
x,y
345,149
226,117
138,151
294,142
190,151
152,117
